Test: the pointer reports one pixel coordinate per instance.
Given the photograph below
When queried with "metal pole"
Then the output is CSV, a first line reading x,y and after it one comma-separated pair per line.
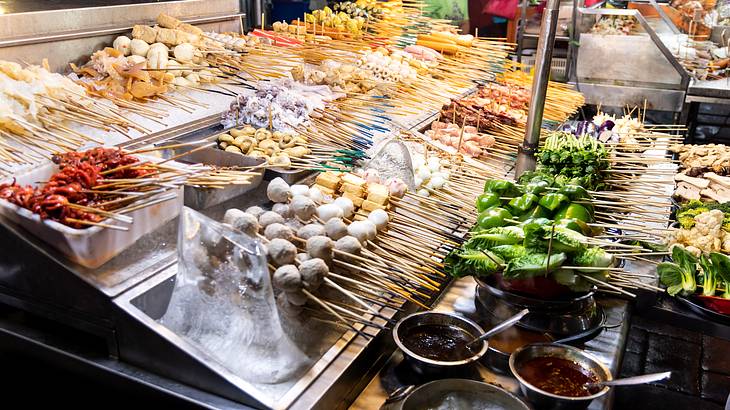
x,y
526,151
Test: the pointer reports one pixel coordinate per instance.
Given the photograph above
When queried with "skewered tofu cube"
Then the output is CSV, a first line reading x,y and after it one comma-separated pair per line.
x,y
356,200
378,193
368,205
353,189
353,180
325,190
328,179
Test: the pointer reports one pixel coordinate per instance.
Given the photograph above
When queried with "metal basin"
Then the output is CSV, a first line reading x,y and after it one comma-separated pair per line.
x,y
426,366
460,393
543,400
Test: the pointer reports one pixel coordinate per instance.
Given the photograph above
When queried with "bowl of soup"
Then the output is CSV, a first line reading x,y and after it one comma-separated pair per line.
x,y
555,376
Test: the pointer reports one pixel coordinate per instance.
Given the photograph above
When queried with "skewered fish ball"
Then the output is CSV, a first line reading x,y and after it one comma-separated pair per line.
x,y
282,209
320,247
380,218
278,190
297,298
335,228
243,221
299,190
302,257
287,278
285,305
303,207
282,252
139,47
294,224
359,230
122,43
316,195
310,230
328,211
277,230
372,229
313,273
270,217
348,208
350,245
256,211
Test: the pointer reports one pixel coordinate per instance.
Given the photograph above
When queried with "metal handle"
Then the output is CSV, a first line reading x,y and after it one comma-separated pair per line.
x,y
500,327
399,394
628,381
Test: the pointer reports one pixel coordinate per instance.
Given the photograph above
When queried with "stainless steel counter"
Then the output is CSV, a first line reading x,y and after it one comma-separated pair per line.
x,y
459,298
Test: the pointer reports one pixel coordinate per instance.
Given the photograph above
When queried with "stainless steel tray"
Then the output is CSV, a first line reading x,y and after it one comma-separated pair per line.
x,y
201,198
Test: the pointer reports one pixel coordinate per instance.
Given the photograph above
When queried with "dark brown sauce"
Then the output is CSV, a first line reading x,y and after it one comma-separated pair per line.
x,y
559,376
513,338
440,342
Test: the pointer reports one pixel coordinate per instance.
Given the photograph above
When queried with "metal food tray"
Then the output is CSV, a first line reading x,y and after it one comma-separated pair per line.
x,y
93,246
202,198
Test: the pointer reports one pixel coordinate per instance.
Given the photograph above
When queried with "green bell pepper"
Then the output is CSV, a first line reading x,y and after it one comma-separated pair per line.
x,y
522,204
487,200
493,217
553,201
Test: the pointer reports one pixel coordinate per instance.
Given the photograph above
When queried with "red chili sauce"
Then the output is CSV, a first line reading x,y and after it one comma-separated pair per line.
x,y
559,376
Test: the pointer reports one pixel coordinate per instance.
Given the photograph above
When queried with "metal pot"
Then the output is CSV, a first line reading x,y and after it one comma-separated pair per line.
x,y
466,393
561,318
426,366
543,400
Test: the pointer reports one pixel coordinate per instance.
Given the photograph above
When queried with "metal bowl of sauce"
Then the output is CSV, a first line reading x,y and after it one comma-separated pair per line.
x,y
438,341
553,376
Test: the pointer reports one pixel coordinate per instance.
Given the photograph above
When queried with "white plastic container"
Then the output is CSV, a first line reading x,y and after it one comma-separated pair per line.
x,y
93,246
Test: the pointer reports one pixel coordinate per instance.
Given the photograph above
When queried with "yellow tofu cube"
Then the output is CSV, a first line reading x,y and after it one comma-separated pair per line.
x,y
356,200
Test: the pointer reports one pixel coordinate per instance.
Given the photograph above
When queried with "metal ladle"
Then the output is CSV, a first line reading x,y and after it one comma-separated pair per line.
x,y
629,381
500,327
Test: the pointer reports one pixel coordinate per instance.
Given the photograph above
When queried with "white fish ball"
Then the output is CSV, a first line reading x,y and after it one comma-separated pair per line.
x,y
278,230
348,208
242,221
281,252
349,245
313,272
256,211
282,209
297,298
329,211
335,228
320,247
359,231
287,278
184,52
270,217
372,229
303,207
139,47
380,218
303,257
316,195
310,230
122,44
278,190
299,189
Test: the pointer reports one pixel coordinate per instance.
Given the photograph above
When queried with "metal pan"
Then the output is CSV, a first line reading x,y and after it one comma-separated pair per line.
x,y
201,198
456,393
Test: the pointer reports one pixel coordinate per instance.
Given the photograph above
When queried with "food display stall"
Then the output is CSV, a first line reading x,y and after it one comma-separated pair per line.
x,y
253,218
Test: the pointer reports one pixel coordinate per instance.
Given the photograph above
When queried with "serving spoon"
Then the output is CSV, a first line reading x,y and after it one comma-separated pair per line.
x,y
500,327
628,381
